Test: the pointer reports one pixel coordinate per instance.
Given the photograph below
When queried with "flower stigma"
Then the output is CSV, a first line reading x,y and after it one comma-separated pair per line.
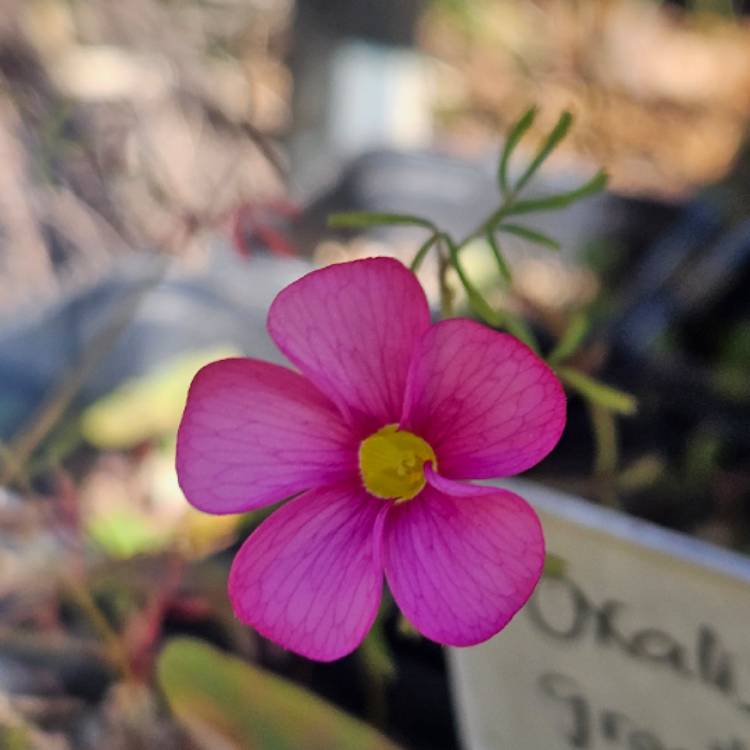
x,y
391,462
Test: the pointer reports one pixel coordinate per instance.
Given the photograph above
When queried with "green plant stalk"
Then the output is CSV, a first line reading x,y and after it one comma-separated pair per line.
x,y
612,399
499,258
516,326
446,292
571,339
422,252
606,457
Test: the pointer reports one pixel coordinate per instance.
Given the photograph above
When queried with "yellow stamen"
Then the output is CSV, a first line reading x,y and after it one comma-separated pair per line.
x,y
392,461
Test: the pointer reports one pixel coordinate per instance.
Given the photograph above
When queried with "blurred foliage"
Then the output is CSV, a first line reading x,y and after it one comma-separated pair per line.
x,y
732,375
123,532
216,695
148,407
659,89
130,512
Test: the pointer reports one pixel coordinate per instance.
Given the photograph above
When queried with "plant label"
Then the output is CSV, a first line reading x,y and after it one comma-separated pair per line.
x,y
636,638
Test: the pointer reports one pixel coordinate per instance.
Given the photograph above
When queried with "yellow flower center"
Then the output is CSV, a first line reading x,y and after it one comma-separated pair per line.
x,y
392,461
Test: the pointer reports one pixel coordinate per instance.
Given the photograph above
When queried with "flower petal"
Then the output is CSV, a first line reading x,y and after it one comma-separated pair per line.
x,y
487,405
254,433
459,567
310,577
457,489
351,328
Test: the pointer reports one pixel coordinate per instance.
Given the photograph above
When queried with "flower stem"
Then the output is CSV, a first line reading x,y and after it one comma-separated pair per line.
x,y
447,294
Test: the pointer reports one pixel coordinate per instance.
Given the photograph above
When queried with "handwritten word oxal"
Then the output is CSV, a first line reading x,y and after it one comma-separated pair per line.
x,y
561,610
640,642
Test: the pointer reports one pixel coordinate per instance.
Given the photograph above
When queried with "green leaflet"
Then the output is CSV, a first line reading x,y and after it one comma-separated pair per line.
x,y
554,202
571,339
553,139
610,398
217,695
502,264
422,252
513,324
366,219
516,133
529,234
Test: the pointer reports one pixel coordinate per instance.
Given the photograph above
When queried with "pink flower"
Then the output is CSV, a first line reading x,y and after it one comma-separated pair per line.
x,y
375,438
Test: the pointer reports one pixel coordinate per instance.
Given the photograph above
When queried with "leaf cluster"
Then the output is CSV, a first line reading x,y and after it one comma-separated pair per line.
x,y
506,219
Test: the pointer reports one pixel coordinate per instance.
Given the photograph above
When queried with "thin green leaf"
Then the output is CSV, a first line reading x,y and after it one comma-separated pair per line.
x,y
499,258
610,398
422,252
478,303
366,219
553,139
213,694
642,473
514,325
529,234
515,135
554,202
517,326
571,339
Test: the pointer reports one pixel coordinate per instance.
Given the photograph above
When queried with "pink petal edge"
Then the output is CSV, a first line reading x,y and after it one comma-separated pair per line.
x,y
254,433
456,489
461,567
488,405
351,328
310,577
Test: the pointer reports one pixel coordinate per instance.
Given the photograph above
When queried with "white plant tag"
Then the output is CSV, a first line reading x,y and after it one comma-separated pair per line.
x,y
642,644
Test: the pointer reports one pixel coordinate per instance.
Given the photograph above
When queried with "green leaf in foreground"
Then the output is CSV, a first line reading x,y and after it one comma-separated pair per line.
x,y
516,133
148,406
529,234
555,202
610,398
367,219
553,139
221,698
571,339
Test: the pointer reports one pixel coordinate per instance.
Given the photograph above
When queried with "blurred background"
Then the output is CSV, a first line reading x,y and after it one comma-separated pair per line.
x,y
166,166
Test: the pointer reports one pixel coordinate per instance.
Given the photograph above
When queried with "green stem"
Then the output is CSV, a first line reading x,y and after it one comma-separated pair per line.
x,y
446,292
488,225
605,438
